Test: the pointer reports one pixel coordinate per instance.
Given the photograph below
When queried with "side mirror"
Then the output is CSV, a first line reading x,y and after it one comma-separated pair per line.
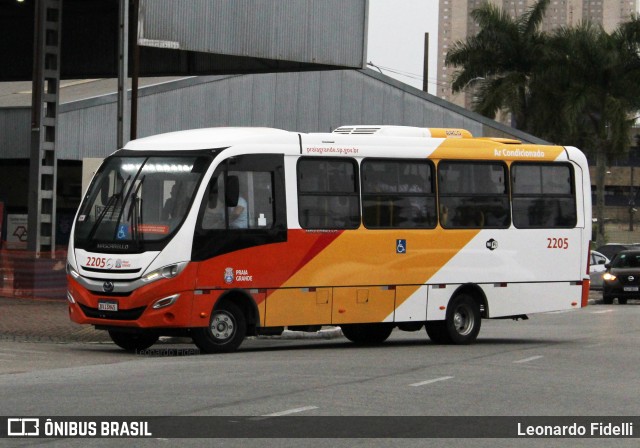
x,y
601,261
212,199
607,265
104,190
232,191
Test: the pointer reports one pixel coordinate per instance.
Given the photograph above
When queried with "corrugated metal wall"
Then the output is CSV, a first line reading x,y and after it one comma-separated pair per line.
x,y
15,132
328,32
306,102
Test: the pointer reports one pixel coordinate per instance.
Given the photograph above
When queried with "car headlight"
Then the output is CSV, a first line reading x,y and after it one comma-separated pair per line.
x,y
165,272
608,277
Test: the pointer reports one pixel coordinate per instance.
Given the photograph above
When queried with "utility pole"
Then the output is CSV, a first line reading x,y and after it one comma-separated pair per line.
x,y
123,69
45,98
425,67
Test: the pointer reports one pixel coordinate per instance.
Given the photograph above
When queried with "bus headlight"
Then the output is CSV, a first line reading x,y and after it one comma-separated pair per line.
x,y
165,272
608,277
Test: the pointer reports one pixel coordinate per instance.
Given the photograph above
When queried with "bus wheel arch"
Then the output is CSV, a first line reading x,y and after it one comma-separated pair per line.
x,y
230,318
463,318
247,305
478,296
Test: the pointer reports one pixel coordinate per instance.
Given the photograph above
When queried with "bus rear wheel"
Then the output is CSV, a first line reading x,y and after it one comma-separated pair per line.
x,y
133,342
367,334
226,331
461,325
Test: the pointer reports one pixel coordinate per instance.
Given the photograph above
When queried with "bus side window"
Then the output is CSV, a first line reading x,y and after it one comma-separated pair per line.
x,y
239,200
473,195
328,193
398,194
543,195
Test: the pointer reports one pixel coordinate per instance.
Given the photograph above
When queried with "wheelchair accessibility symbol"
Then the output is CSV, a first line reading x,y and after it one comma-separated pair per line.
x,y
123,231
401,246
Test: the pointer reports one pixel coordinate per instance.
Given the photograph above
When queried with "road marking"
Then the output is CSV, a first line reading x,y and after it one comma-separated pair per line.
x,y
532,358
602,312
291,411
435,380
561,312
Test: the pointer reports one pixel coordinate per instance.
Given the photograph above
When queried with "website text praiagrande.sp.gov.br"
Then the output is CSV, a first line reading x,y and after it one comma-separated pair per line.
x,y
331,150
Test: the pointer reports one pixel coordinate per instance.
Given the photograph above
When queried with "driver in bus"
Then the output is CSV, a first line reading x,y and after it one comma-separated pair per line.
x,y
238,218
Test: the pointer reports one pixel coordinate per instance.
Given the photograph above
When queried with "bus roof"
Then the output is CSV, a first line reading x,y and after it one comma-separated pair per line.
x,y
206,138
372,140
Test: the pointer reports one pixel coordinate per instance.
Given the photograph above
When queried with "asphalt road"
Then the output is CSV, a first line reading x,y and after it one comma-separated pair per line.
x,y
577,363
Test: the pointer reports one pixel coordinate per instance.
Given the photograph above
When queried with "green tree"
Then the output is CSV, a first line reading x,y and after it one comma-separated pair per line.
x,y
499,60
584,92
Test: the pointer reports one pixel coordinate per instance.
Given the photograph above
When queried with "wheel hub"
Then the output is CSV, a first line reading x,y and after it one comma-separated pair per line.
x,y
463,321
222,326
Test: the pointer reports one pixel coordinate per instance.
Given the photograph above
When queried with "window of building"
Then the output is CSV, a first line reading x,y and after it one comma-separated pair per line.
x,y
328,194
473,195
398,194
543,195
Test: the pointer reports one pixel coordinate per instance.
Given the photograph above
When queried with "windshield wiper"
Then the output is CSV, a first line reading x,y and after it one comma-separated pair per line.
x,y
136,214
127,196
104,211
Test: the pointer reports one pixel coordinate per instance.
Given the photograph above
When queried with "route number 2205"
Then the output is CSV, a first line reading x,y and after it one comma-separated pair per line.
x,y
557,243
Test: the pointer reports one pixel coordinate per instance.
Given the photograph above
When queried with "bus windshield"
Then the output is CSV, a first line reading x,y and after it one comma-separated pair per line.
x,y
138,199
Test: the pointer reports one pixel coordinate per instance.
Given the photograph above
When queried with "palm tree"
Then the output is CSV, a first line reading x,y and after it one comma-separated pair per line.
x,y
499,60
584,92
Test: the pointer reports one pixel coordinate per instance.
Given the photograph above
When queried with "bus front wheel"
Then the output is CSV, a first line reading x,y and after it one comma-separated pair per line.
x,y
133,342
461,325
367,334
226,330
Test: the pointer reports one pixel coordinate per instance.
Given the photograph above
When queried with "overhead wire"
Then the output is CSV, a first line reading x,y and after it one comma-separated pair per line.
x,y
410,75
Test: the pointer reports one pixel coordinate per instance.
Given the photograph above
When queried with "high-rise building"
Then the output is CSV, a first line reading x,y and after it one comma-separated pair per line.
x,y
456,24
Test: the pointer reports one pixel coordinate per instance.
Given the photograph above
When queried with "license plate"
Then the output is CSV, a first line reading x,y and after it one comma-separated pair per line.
x,y
631,288
107,305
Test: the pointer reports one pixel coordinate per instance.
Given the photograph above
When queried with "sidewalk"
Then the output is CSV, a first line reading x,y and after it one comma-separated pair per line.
x,y
34,320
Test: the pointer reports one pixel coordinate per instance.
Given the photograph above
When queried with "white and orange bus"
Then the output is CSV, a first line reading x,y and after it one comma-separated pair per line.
x,y
218,234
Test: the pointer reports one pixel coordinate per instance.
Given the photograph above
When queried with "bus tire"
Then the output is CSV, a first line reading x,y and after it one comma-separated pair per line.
x,y
367,334
437,332
622,301
133,342
462,323
226,331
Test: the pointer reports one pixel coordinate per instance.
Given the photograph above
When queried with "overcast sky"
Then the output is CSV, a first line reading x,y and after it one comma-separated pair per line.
x,y
396,38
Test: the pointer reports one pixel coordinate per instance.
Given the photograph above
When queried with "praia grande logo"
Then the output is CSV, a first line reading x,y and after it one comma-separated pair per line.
x,y
228,275
492,244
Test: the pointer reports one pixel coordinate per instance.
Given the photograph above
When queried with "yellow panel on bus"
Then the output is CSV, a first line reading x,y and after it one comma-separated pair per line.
x,y
362,304
298,306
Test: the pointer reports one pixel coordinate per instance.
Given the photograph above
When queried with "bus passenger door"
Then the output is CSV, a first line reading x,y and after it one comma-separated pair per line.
x,y
298,306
